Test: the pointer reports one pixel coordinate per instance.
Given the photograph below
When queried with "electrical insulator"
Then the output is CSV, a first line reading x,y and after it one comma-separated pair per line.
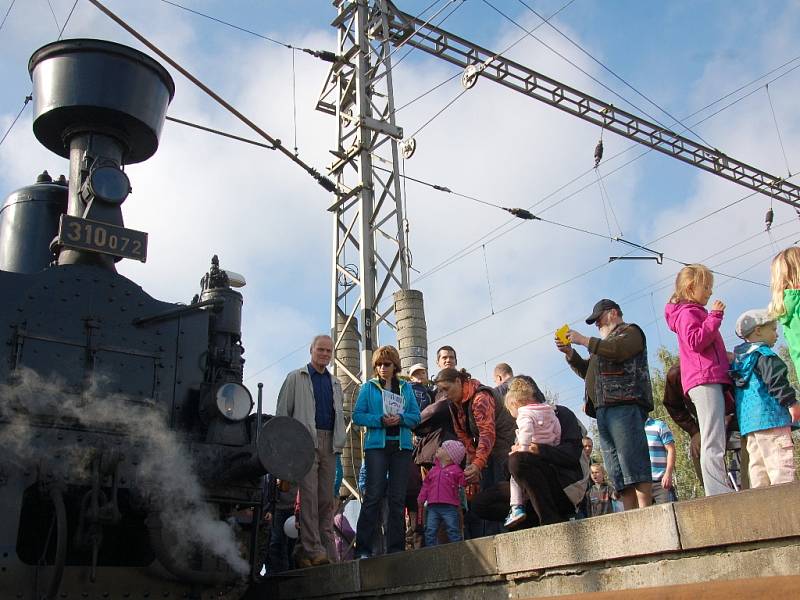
x,y
598,153
521,213
769,218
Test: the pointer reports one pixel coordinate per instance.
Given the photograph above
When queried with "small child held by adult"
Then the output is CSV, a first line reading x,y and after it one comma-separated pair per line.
x,y
600,495
766,403
536,423
704,366
441,489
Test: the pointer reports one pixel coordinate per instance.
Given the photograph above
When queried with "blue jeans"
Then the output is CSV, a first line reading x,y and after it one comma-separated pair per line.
x,y
387,476
442,513
624,444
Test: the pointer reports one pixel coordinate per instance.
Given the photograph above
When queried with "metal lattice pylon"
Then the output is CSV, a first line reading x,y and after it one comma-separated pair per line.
x,y
369,248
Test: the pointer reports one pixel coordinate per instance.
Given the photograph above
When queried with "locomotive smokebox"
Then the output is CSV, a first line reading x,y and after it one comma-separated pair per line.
x,y
102,105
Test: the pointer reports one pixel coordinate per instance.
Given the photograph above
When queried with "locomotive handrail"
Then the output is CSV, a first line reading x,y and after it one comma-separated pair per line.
x,y
57,497
177,312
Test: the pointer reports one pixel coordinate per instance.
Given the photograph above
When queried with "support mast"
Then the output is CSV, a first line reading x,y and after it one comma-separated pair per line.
x,y
370,257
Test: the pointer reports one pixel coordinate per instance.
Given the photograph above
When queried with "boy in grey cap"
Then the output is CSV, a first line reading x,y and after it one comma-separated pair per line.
x,y
766,404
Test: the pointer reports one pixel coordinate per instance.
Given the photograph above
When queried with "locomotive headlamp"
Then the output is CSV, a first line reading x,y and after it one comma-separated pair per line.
x,y
234,401
109,184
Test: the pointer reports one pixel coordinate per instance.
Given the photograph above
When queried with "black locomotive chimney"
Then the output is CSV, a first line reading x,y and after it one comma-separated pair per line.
x,y
102,105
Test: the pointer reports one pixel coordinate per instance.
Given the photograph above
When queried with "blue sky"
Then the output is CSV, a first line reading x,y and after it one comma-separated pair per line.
x,y
200,195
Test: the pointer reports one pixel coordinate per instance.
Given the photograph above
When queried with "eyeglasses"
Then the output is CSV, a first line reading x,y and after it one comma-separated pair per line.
x,y
384,364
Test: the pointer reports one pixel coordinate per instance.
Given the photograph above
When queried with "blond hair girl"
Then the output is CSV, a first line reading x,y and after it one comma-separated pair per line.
x,y
704,366
785,302
690,284
784,276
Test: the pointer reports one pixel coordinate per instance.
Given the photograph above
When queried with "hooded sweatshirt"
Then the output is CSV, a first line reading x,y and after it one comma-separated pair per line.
x,y
700,346
763,392
791,324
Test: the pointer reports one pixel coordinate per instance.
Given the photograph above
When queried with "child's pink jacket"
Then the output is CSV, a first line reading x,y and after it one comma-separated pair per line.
x,y
700,346
441,485
538,423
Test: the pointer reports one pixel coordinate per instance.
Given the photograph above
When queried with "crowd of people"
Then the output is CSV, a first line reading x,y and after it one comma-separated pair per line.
x,y
450,458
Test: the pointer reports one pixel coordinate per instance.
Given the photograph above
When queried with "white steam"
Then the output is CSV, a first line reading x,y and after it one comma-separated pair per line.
x,y
165,470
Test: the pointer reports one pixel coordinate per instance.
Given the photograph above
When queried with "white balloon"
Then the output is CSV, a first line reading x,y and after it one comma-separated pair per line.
x,y
289,528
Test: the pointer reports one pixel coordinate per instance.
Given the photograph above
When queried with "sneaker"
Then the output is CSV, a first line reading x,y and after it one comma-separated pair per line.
x,y
515,516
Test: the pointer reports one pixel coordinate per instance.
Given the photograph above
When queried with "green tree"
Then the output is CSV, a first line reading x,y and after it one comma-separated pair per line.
x,y
687,484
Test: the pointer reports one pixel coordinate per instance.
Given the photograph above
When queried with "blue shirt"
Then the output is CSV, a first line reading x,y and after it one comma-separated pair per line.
x,y
323,398
658,436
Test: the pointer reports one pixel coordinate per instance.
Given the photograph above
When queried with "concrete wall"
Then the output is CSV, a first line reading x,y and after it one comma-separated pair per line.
x,y
755,533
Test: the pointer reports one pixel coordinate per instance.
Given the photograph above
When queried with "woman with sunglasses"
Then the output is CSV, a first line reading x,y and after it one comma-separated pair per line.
x,y
386,406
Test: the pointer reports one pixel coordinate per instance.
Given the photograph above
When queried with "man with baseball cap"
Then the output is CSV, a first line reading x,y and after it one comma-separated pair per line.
x,y
618,394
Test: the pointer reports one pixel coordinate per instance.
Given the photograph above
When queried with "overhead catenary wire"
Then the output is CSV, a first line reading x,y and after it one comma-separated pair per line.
x,y
607,200
326,183
607,68
439,24
581,69
488,280
28,98
578,276
443,188
275,362
294,102
459,73
52,12
778,130
427,22
322,54
465,90
220,133
8,12
472,246
641,294
529,216
66,21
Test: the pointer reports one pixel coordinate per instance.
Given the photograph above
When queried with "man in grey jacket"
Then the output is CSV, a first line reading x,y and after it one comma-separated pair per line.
x,y
313,396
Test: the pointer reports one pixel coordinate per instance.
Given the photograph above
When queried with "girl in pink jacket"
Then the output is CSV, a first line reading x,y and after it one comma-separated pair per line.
x,y
441,490
704,366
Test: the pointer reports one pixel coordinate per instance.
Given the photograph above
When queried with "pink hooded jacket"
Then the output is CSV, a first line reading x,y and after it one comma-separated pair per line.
x,y
700,346
441,485
538,423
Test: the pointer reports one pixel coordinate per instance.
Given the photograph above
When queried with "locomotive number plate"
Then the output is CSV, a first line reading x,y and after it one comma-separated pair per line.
x,y
84,234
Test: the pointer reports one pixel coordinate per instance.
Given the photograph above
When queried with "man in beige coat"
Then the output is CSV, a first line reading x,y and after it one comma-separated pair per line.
x,y
313,396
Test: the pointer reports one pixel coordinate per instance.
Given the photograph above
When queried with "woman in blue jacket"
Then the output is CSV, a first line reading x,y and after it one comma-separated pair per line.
x,y
386,406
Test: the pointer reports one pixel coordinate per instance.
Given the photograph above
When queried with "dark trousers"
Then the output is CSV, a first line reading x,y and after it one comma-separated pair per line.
x,y
383,462
280,545
496,472
539,479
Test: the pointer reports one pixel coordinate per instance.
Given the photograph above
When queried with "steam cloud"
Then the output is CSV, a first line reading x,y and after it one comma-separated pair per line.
x,y
164,466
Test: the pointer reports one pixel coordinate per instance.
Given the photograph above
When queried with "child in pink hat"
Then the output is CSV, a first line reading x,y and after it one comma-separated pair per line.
x,y
441,493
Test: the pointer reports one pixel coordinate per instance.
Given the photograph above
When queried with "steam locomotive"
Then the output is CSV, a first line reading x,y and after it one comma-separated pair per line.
x,y
128,440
